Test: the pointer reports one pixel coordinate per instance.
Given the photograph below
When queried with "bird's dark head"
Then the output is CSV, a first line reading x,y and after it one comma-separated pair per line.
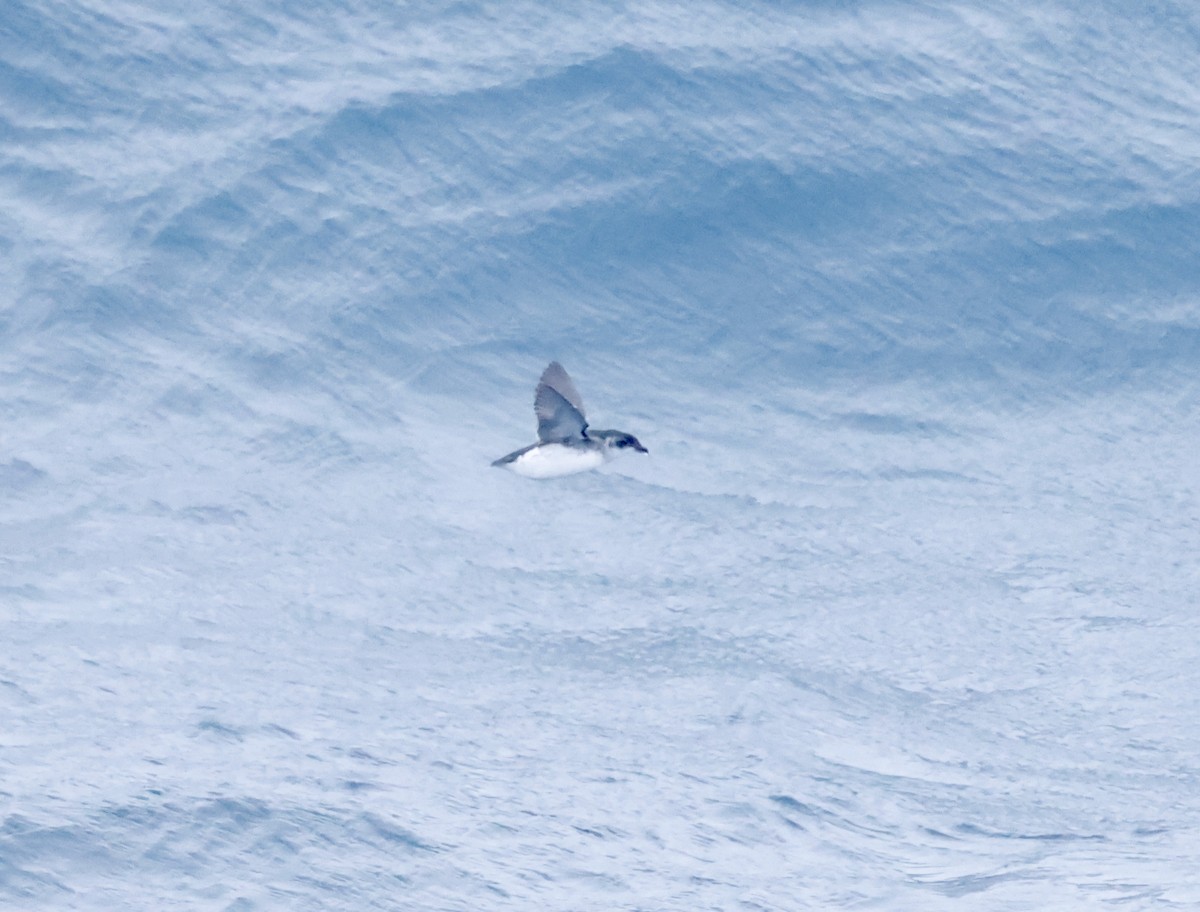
x,y
619,440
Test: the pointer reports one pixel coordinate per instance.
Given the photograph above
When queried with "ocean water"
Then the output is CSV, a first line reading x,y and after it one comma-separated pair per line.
x,y
900,612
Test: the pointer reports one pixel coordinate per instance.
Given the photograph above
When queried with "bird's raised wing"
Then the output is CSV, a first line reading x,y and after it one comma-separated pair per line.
x,y
555,377
558,406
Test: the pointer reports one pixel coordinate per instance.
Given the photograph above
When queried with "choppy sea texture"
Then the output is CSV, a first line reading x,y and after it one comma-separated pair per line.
x,y
899,613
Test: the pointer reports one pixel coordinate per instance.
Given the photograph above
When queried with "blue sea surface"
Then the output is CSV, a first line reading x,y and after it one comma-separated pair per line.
x,y
900,612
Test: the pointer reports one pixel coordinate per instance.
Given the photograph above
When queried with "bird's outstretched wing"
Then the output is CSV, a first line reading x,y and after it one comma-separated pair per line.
x,y
555,377
559,406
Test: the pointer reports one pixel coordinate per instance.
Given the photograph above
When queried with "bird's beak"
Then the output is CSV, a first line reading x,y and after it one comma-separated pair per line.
x,y
640,448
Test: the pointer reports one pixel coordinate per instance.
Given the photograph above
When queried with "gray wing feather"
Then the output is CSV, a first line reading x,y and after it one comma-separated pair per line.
x,y
556,378
559,406
557,418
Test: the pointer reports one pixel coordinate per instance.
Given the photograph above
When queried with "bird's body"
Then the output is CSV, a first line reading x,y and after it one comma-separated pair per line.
x,y
552,460
565,446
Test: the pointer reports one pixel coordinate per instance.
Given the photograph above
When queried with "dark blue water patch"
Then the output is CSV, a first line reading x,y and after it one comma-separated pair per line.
x,y
1035,297
220,730
276,369
391,832
358,753
190,835
20,475
195,399
713,217
35,27
626,78
1150,832
938,834
792,804
559,102
98,317
971,829
893,425
37,93
12,688
26,592
1110,253
1101,623
213,224
729,238
975,883
896,473
1177,23
43,851
51,186
796,813
684,199
240,811
273,729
